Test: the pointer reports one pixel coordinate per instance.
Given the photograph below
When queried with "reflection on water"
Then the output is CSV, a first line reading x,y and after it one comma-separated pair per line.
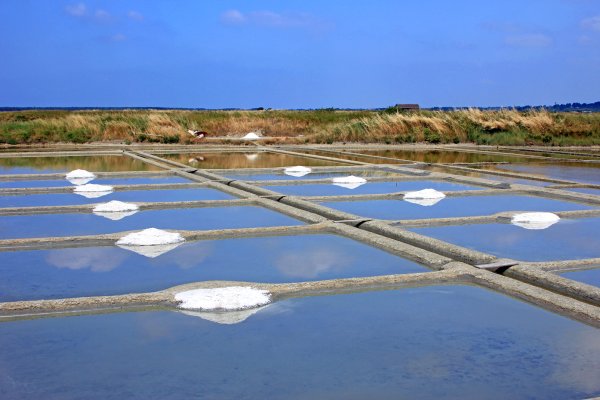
x,y
371,160
445,156
64,199
100,181
203,218
37,165
487,176
313,175
244,160
368,188
453,207
421,343
565,240
571,171
81,272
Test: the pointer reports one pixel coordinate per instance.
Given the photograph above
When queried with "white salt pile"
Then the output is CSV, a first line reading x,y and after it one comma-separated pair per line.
x,y
225,317
251,136
151,242
535,220
252,157
425,197
115,210
297,171
92,190
349,182
80,176
225,299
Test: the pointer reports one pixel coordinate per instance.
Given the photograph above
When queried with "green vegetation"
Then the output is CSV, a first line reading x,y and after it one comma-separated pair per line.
x,y
504,127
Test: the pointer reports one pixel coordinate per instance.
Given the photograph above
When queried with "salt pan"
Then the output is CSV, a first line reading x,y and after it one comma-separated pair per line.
x,y
297,171
349,182
425,197
535,220
226,298
251,136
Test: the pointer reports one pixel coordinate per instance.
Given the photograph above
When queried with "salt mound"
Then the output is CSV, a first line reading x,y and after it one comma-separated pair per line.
x,y
115,210
425,197
535,220
151,242
116,206
80,177
227,298
251,136
297,171
150,237
251,157
349,182
225,317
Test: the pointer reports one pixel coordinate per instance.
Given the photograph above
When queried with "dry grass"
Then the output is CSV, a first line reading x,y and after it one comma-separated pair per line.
x,y
317,126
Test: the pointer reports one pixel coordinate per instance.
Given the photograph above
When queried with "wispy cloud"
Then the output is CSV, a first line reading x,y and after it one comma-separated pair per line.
x,y
102,15
592,23
135,15
76,10
271,19
529,40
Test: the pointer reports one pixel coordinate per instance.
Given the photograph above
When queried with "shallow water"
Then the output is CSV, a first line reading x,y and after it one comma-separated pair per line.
x,y
452,207
585,190
590,276
51,225
64,199
566,240
99,181
353,157
368,188
445,156
244,160
109,270
422,343
42,165
576,172
312,175
491,177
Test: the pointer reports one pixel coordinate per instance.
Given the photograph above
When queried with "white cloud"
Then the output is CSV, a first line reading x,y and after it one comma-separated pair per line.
x,y
119,37
272,19
233,17
529,40
76,10
134,15
592,23
102,15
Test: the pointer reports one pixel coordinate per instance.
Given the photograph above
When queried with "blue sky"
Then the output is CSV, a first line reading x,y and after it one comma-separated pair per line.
x,y
298,54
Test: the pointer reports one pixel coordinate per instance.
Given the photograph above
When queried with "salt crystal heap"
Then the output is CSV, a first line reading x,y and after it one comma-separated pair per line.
x,y
115,210
91,190
80,177
297,171
425,197
535,220
349,182
232,298
151,242
251,136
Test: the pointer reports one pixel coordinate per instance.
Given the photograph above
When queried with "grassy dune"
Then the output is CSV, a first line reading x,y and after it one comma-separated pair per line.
x,y
505,127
